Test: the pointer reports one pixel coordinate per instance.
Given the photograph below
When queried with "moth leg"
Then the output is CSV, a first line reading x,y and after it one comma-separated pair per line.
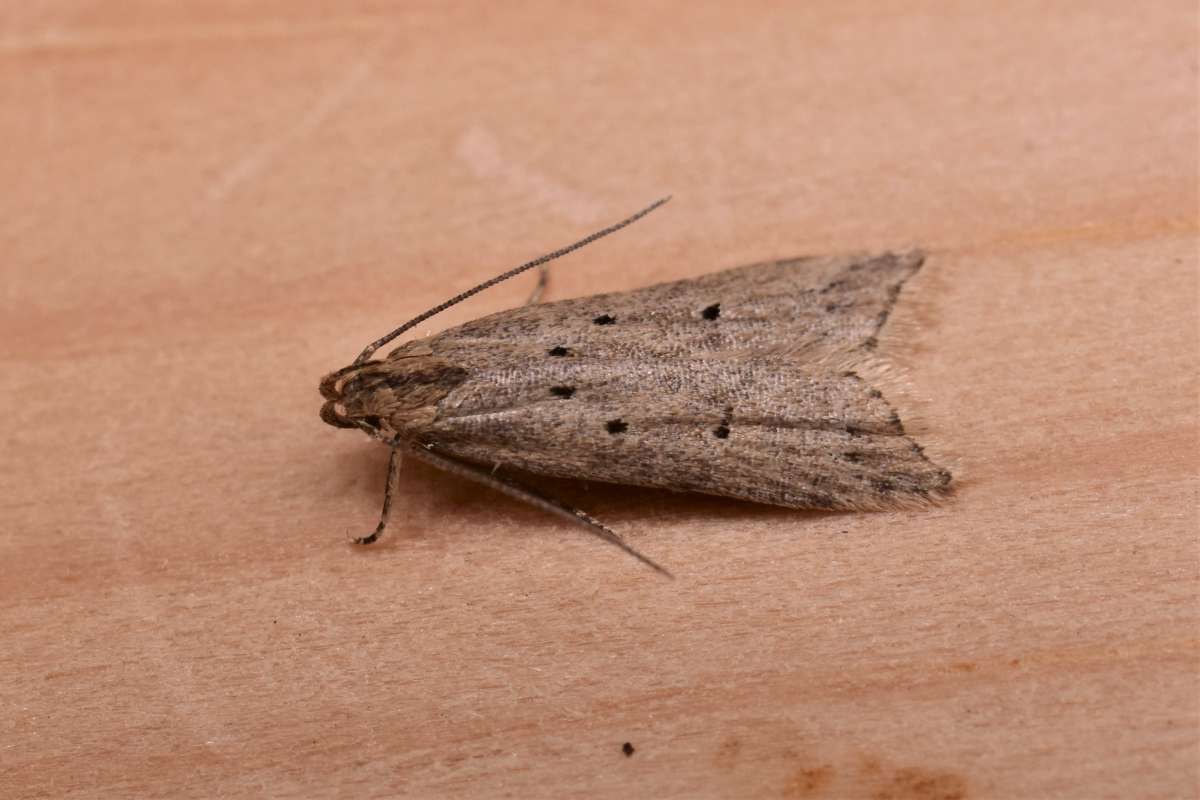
x,y
393,471
535,296
513,489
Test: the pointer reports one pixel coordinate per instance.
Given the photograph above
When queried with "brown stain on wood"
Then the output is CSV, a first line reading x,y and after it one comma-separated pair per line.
x,y
809,781
881,780
920,784
728,752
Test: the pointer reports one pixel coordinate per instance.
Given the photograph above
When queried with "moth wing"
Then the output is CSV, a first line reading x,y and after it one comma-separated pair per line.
x,y
798,305
769,431
738,383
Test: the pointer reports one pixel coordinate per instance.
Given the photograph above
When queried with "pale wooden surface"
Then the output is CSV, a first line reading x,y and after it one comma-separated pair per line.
x,y
206,209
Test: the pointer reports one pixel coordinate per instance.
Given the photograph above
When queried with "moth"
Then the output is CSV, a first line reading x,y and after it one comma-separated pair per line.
x,y
751,383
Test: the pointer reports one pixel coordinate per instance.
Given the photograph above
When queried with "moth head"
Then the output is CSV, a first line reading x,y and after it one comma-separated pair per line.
x,y
390,397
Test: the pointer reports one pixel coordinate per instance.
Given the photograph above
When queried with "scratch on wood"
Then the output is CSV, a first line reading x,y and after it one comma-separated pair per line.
x,y
260,157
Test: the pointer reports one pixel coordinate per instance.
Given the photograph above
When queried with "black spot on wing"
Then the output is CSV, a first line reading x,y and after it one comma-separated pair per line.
x,y
722,429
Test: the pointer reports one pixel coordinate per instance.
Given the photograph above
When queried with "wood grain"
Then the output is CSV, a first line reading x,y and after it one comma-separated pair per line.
x,y
208,206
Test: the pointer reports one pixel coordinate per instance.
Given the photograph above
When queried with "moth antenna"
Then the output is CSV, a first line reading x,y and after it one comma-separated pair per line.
x,y
537,262
515,490
393,471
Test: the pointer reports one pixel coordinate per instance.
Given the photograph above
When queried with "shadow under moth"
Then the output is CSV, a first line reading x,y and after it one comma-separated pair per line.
x,y
752,383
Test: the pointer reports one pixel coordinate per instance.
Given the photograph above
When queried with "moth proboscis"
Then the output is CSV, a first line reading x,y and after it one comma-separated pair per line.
x,y
751,383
